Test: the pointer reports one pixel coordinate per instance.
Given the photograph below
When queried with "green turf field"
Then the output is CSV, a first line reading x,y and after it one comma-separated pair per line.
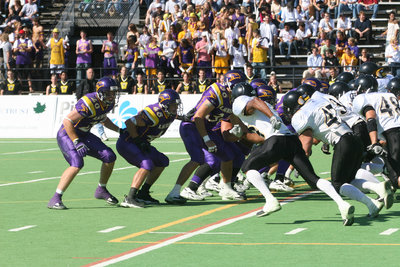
x,y
307,231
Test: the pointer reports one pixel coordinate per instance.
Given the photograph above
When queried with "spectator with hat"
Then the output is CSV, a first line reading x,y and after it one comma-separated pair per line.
x,y
56,45
22,49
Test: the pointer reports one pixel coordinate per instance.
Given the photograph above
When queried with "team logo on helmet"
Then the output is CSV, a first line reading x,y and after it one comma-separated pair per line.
x,y
164,97
100,84
311,82
233,76
265,93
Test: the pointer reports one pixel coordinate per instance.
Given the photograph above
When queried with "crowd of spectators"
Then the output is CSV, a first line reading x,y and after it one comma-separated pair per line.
x,y
184,44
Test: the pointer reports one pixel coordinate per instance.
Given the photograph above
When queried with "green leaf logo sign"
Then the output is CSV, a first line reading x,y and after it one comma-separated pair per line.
x,y
39,108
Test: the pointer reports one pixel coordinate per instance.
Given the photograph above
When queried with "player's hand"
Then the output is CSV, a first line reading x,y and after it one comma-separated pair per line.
x,y
81,148
236,131
276,124
211,146
143,145
376,149
325,149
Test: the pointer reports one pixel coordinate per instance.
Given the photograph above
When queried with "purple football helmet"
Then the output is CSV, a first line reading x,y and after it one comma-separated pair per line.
x,y
258,82
267,93
107,90
233,77
169,97
314,83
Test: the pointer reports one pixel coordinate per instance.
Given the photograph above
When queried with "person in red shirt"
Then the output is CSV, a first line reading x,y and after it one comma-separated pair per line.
x,y
368,5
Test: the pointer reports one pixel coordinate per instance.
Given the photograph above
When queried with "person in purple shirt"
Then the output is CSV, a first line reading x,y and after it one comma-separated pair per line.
x,y
134,146
84,50
76,141
110,50
197,133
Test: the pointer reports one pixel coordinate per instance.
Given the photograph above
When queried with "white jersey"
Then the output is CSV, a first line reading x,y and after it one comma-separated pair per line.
x,y
258,120
383,82
385,105
351,117
344,111
322,118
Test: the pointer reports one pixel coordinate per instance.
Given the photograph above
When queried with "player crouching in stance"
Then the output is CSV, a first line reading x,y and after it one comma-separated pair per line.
x,y
134,146
76,141
317,118
278,143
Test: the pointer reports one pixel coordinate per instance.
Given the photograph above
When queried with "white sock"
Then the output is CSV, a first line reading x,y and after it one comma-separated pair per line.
x,y
226,185
289,172
326,187
353,192
59,191
366,176
102,185
176,190
255,178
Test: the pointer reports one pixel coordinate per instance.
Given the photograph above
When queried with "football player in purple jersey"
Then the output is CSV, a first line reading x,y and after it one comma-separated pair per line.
x,y
76,141
197,133
134,146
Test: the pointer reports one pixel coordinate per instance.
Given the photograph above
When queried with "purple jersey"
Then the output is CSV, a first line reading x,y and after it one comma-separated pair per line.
x,y
92,110
156,120
219,97
83,57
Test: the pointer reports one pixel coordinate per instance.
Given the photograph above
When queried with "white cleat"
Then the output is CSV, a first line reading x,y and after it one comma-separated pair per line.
x,y
347,213
269,207
240,188
202,191
385,193
211,184
190,194
279,186
374,208
230,194
287,181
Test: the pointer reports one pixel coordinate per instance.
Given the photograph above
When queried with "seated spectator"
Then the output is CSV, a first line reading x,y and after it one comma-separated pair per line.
x,y
348,5
202,82
314,63
320,8
329,62
332,74
392,53
53,88
326,25
186,86
302,38
341,44
364,57
368,5
333,7
353,47
392,28
343,24
66,87
348,60
140,87
249,72
124,81
306,6
259,52
28,12
289,15
286,37
238,53
11,85
363,28
160,84
328,45
320,41
273,82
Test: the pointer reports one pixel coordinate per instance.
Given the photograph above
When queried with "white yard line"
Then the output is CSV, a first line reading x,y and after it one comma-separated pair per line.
x,y
29,151
214,233
108,230
33,172
295,231
21,228
389,231
83,173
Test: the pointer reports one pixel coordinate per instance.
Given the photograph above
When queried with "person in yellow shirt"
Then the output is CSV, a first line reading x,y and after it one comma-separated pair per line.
x,y
56,45
348,60
259,51
192,24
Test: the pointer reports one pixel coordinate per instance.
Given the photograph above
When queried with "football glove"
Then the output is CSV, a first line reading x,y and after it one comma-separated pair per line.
x,y
276,124
325,149
81,148
376,149
236,131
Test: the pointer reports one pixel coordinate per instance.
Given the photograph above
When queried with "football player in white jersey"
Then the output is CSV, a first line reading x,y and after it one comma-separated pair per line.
x,y
316,118
381,111
278,143
371,68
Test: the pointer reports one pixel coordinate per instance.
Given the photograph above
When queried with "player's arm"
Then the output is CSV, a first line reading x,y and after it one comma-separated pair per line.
x,y
205,109
133,123
110,125
370,117
69,122
258,104
306,139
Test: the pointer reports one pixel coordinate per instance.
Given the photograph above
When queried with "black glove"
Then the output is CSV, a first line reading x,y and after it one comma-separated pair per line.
x,y
122,131
143,145
325,149
376,149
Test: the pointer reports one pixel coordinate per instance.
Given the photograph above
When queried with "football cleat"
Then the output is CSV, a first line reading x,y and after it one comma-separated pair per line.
x,y
279,186
230,194
202,191
146,198
131,203
385,194
190,194
269,207
287,181
175,200
56,205
347,213
240,188
211,184
102,193
374,208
